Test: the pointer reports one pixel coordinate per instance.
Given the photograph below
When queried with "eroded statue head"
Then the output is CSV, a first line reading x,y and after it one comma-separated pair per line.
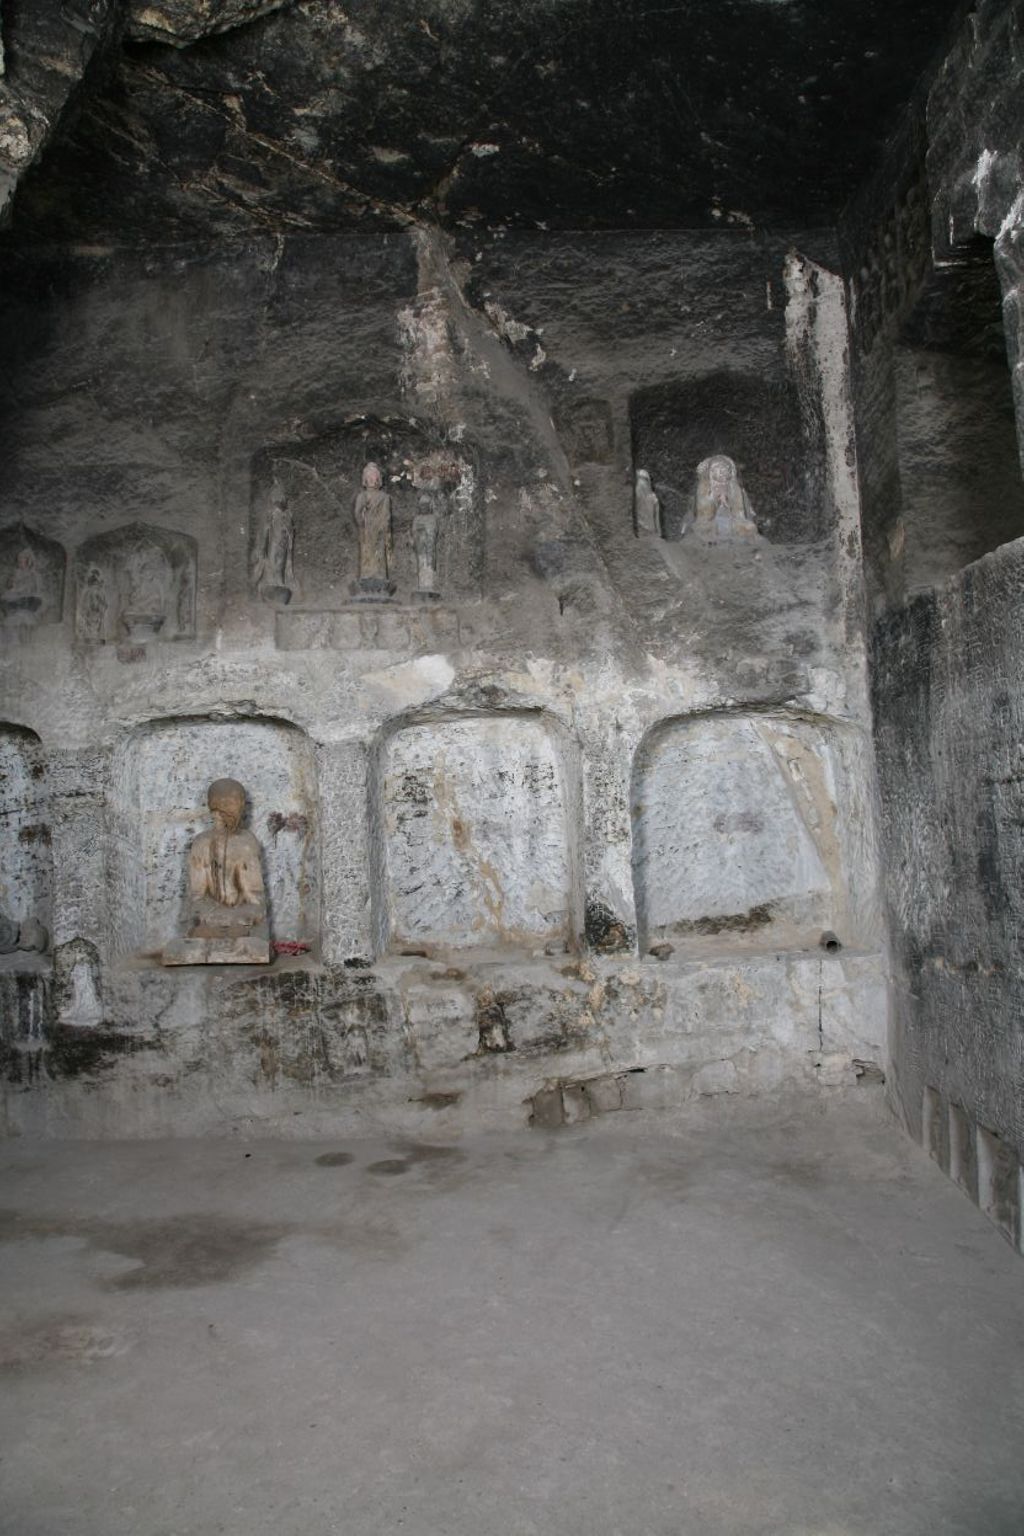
x,y
372,477
226,799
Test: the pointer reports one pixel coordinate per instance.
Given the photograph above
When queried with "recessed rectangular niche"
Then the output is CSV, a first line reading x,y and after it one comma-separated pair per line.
x,y
477,817
999,1183
161,780
737,838
26,868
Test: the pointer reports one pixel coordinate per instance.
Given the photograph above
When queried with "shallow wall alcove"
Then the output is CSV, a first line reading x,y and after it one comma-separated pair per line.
x,y
476,835
27,866
752,831
319,476
161,776
756,421
960,488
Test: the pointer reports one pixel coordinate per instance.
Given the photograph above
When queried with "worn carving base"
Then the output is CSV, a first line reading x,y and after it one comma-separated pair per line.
x,y
205,947
368,628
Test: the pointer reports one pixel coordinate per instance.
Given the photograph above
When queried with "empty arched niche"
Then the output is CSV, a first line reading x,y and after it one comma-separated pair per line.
x,y
162,774
739,839
477,836
26,867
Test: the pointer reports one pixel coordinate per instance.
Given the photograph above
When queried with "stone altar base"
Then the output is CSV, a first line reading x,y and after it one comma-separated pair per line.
x,y
207,948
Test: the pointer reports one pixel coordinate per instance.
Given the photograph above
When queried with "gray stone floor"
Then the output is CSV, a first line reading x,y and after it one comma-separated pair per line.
x,y
737,1322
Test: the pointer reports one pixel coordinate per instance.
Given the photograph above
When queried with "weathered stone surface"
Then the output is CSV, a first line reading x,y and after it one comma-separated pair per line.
x,y
46,53
181,22
316,116
950,725
478,836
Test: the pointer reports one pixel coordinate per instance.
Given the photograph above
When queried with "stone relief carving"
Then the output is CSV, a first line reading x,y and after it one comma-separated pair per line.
x,y
646,507
227,900
31,579
371,513
426,524
82,1008
721,508
273,571
30,936
136,583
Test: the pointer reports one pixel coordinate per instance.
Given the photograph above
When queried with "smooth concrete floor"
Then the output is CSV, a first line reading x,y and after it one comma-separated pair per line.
x,y
732,1322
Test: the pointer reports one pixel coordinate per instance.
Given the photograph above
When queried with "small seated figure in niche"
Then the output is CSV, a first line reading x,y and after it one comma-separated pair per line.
x,y
22,595
146,584
646,507
426,526
721,508
371,513
227,899
273,568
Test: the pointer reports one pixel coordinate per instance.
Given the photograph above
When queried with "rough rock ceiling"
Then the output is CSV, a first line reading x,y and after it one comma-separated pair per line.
x,y
313,115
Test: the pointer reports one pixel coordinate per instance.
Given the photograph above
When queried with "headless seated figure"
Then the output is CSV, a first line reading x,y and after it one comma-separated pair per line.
x,y
225,877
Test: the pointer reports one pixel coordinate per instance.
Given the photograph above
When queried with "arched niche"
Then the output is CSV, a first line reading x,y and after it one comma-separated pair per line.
x,y
136,582
26,869
161,777
31,580
476,835
752,831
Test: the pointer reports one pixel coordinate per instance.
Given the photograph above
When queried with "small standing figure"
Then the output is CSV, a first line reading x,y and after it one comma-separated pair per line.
x,y
426,526
226,894
371,513
82,1008
721,507
273,568
646,507
92,605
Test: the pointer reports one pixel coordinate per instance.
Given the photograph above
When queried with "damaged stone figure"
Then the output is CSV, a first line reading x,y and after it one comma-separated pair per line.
x,y
273,569
425,530
31,580
646,507
82,1008
29,936
721,508
226,894
21,595
135,583
371,513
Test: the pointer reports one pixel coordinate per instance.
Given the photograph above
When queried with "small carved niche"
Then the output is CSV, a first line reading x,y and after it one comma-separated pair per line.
x,y
136,583
31,579
27,867
678,427
305,543
585,427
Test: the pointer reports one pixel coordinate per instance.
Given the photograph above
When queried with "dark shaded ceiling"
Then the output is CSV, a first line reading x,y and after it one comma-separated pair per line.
x,y
558,113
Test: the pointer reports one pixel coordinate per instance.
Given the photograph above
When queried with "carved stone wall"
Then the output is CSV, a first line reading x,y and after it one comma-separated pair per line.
x,y
439,777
